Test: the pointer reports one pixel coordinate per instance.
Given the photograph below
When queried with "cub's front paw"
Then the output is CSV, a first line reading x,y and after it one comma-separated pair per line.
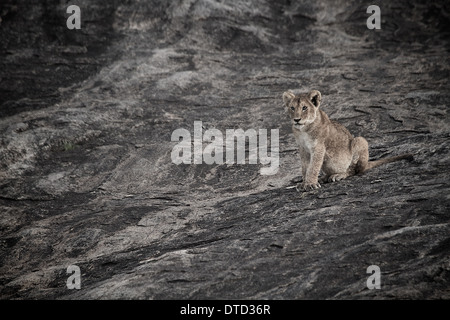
x,y
307,186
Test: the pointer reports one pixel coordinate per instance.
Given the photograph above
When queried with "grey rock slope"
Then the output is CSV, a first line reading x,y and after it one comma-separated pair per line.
x,y
86,176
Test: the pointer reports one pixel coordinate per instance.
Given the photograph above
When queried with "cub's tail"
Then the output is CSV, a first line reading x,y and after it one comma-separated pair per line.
x,y
376,163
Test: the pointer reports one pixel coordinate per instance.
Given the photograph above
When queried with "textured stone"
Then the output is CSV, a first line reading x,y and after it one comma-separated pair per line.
x,y
86,176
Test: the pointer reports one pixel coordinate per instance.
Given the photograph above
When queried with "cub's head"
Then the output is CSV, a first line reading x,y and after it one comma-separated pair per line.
x,y
302,108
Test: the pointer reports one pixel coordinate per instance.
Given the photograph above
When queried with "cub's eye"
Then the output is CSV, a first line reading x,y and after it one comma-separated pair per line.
x,y
305,108
293,108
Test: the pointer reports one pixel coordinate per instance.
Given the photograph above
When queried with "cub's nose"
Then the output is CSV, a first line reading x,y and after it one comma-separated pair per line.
x,y
297,120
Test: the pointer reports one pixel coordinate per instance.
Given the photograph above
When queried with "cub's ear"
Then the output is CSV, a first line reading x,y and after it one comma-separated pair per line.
x,y
315,97
287,97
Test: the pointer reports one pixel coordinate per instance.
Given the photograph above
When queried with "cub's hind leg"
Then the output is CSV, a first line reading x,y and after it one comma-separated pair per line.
x,y
358,163
337,177
360,156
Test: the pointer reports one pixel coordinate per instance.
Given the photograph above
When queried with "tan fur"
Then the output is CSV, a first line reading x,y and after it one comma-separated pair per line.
x,y
325,144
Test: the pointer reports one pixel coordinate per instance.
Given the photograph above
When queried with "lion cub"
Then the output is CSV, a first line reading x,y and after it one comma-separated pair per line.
x,y
326,144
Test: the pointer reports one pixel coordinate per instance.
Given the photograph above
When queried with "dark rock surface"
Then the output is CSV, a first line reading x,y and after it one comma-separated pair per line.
x,y
86,176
